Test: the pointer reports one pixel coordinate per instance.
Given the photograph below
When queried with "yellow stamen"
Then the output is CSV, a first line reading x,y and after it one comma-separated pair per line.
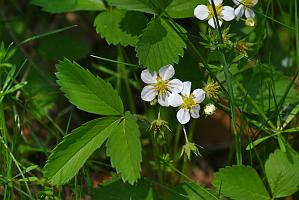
x,y
162,86
188,102
218,9
249,3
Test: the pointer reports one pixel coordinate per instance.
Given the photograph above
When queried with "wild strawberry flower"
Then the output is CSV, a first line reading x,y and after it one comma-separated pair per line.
x,y
159,84
203,12
187,102
244,6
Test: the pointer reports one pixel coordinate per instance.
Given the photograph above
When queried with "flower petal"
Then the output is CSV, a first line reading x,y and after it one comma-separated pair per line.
x,y
175,100
216,2
186,88
163,100
148,77
239,12
228,13
175,86
249,13
148,93
201,12
199,95
183,116
166,72
237,2
195,112
211,22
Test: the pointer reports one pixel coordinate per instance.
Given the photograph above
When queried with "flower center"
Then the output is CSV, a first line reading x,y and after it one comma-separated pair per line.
x,y
249,3
218,9
161,86
188,102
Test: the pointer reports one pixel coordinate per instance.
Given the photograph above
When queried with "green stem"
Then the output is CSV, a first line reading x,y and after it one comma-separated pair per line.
x,y
228,79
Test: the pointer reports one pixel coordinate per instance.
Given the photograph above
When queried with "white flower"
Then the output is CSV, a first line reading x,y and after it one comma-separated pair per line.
x,y
203,12
244,6
187,102
159,84
210,109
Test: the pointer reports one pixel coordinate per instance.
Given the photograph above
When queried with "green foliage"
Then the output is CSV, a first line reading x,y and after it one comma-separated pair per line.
x,y
120,26
136,5
240,183
86,91
282,173
59,6
267,87
191,191
141,190
124,148
159,45
183,8
71,154
58,46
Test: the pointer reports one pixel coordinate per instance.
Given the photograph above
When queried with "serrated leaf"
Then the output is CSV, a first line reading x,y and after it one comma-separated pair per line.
x,y
124,148
120,26
159,45
118,190
183,8
71,154
86,91
59,6
240,183
191,191
282,173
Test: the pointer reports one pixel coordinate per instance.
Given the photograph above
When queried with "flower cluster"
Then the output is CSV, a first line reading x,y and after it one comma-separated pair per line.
x,y
172,92
225,13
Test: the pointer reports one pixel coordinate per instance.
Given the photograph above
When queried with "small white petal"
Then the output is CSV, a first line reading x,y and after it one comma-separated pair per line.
x,y
148,93
166,72
201,12
163,100
148,77
211,22
216,2
254,2
228,13
239,12
237,2
199,95
249,13
183,116
186,88
175,86
195,112
175,100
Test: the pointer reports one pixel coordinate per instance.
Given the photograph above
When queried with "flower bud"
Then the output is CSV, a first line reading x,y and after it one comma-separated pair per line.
x,y
210,109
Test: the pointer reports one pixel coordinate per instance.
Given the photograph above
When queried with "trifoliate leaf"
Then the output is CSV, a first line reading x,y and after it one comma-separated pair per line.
x,y
191,191
118,190
120,26
86,91
240,183
124,148
183,8
282,173
159,45
59,6
71,154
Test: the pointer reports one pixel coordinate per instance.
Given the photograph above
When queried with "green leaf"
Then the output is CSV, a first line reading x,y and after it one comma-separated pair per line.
x,y
71,154
159,45
118,190
183,8
124,148
86,91
282,173
191,191
257,142
59,6
120,26
240,183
